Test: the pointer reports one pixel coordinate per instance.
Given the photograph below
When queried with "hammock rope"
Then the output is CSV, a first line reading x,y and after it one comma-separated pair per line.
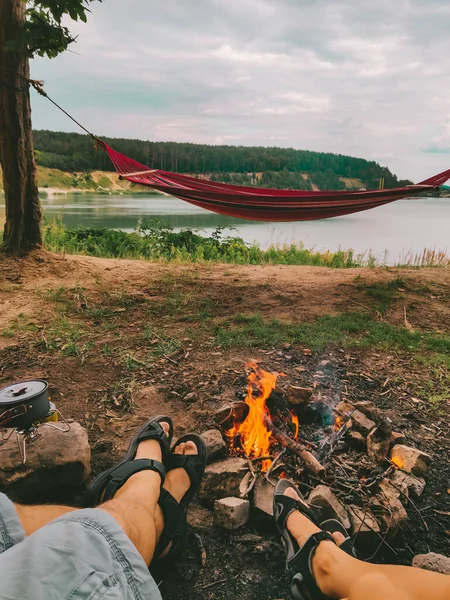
x,y
253,203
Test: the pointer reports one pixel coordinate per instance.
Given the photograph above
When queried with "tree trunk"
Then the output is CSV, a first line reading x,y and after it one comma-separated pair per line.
x,y
23,227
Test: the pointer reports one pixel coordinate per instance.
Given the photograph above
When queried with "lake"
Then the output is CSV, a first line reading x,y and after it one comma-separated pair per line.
x,y
398,228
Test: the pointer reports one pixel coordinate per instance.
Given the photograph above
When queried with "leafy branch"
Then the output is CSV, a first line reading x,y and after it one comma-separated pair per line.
x,y
43,32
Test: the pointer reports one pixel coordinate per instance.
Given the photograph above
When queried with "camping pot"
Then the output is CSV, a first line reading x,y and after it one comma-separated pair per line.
x,y
24,403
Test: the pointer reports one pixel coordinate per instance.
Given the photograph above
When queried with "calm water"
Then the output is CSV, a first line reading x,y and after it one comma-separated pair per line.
x,y
406,225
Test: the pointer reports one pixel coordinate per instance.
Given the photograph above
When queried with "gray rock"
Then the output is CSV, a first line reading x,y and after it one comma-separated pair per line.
x,y
363,522
231,513
191,397
408,484
56,459
222,479
216,447
369,409
410,459
432,562
390,509
299,395
329,507
356,441
344,408
263,496
397,438
379,443
361,423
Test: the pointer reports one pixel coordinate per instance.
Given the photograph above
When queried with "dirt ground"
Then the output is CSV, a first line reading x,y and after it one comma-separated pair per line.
x,y
120,340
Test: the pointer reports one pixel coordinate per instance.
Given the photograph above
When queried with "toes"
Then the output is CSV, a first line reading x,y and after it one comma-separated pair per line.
x,y
338,537
179,449
166,427
190,448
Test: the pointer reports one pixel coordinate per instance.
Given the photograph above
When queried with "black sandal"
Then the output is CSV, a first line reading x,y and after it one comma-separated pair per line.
x,y
302,582
335,526
175,526
106,484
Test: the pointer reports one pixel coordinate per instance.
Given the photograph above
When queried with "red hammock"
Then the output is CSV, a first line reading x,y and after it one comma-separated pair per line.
x,y
263,204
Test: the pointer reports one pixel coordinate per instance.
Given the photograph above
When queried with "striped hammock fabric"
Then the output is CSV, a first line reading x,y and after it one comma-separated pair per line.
x,y
263,204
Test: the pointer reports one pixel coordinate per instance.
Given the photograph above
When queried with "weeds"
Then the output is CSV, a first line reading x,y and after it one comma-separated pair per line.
x,y
383,294
123,394
347,329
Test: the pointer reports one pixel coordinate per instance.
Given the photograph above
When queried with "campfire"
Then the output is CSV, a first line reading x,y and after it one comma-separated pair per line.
x,y
344,454
252,435
253,432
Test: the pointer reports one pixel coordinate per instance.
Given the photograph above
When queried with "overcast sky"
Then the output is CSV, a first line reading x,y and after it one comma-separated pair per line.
x,y
358,77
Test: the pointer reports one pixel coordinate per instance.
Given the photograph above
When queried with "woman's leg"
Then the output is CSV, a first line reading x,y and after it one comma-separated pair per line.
x,y
340,576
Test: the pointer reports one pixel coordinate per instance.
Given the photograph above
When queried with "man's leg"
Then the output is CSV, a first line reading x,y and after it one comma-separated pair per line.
x,y
339,575
94,552
35,517
135,505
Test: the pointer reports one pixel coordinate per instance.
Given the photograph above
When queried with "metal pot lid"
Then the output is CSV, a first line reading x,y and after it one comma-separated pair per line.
x,y
22,391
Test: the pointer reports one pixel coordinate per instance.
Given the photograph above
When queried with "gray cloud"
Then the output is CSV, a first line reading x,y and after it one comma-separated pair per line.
x,y
354,77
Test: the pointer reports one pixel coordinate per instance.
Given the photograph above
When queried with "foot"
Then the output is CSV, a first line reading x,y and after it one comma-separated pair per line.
x,y
301,527
177,483
150,449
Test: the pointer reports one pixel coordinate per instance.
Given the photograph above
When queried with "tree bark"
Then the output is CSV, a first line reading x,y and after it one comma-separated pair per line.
x,y
23,227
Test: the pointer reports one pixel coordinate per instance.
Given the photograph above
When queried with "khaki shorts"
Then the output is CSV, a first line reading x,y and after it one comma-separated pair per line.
x,y
82,555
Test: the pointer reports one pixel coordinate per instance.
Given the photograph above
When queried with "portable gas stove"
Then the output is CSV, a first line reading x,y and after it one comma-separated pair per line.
x,y
24,409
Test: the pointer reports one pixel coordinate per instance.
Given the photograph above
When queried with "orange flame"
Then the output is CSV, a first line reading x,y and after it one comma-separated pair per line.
x,y
296,423
254,435
338,423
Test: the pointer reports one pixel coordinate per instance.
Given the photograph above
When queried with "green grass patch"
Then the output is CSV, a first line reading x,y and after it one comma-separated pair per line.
x,y
382,294
348,329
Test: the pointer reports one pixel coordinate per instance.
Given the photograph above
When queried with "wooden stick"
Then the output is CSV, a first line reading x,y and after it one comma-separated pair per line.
x,y
311,463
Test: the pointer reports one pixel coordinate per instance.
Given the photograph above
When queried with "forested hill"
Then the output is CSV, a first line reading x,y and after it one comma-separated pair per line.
x,y
273,167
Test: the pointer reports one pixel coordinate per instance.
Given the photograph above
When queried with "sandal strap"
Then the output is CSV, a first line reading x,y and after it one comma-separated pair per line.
x,y
175,527
120,475
154,431
287,505
301,569
193,464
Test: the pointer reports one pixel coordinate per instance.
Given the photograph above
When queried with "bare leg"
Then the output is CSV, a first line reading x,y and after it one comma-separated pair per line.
x,y
341,576
35,517
135,505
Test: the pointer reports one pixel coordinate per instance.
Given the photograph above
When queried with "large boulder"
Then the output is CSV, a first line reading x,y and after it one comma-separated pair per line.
x,y
55,460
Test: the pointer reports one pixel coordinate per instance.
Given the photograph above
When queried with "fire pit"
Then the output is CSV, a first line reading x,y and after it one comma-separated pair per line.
x,y
344,455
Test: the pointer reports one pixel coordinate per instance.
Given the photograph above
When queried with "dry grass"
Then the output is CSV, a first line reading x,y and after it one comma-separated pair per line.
x,y
428,258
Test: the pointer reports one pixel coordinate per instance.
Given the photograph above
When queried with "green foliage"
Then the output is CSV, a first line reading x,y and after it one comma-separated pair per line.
x,y
43,32
241,165
157,241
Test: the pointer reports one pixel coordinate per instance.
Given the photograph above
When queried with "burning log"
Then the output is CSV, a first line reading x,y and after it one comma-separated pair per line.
x,y
310,462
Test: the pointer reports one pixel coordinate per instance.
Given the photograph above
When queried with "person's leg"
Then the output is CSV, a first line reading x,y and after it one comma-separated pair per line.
x,y
135,505
35,517
339,575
